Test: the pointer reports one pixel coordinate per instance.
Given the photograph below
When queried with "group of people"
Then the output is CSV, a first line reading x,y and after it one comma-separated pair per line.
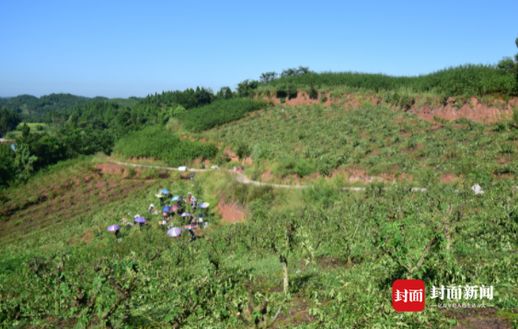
x,y
186,213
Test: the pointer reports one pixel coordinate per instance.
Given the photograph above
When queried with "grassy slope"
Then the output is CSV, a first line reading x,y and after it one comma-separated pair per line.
x,y
305,139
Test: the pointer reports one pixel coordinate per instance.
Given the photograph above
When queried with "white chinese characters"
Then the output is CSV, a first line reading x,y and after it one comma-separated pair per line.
x,y
409,295
466,292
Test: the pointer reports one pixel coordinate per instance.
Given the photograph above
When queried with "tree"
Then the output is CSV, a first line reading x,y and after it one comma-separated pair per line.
x,y
225,93
283,243
267,77
246,87
7,168
295,72
8,120
24,162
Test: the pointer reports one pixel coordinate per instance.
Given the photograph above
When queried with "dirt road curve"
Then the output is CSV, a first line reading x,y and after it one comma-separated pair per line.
x,y
242,178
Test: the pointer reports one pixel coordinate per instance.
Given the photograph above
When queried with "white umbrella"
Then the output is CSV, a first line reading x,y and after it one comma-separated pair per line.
x,y
174,232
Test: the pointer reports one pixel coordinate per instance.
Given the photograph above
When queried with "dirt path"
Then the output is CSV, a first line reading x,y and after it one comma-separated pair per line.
x,y
243,179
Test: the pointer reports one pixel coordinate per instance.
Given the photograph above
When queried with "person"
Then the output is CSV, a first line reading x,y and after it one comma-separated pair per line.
x,y
165,212
193,203
125,222
161,197
191,232
151,208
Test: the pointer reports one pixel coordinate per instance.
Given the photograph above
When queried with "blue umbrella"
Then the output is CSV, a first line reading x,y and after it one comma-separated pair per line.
x,y
174,232
166,209
176,198
164,191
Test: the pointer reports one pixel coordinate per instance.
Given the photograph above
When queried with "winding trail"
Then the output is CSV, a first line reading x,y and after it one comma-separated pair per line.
x,y
243,179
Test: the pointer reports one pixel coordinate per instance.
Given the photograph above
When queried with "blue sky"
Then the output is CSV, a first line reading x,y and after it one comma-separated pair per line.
x,y
125,48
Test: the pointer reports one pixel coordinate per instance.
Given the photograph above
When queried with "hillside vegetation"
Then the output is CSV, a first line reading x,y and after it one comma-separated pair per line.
x,y
218,113
158,143
301,140
314,256
340,247
472,80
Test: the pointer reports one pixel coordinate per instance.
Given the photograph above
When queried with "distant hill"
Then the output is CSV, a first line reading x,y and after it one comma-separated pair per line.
x,y
37,109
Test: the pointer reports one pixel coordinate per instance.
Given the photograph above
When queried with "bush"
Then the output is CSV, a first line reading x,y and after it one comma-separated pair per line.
x,y
159,143
218,113
313,92
243,151
287,91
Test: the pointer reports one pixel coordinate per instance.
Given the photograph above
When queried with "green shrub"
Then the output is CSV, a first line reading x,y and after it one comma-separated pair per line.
x,y
218,113
313,92
243,151
159,143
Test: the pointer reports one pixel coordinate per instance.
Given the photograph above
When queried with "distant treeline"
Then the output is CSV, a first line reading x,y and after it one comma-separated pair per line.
x,y
465,80
472,80
81,126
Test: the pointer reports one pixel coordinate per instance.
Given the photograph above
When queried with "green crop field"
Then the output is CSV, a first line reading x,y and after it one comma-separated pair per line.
x,y
343,251
303,140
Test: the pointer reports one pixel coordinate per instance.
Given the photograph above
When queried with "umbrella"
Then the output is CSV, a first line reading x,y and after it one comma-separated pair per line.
x,y
186,214
113,228
174,232
166,209
140,220
164,191
162,222
176,198
175,208
204,205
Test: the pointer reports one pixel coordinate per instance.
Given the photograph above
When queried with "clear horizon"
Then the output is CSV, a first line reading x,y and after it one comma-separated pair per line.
x,y
122,49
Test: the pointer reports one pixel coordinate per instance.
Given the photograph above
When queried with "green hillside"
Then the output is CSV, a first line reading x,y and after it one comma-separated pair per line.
x,y
302,140
322,189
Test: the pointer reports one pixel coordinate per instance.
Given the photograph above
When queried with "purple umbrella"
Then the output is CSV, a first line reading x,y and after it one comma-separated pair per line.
x,y
204,205
174,232
113,228
140,220
186,214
